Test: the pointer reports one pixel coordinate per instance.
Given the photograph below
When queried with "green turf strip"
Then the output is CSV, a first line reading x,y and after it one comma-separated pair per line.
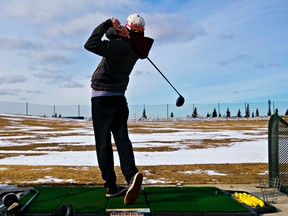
x,y
87,199
158,199
48,199
191,199
83,199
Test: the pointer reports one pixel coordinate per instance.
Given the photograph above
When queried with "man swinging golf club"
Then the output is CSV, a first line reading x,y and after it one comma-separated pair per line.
x,y
109,106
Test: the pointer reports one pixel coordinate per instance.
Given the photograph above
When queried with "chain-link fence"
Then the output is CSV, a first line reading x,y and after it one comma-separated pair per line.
x,y
153,111
278,152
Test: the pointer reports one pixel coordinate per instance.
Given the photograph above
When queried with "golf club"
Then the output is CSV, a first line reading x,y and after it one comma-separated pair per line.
x,y
180,101
30,200
12,204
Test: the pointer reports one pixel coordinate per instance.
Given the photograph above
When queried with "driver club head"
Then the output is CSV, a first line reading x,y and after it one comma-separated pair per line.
x,y
180,101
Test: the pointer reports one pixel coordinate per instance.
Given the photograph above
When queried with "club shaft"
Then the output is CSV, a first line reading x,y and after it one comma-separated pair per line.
x,y
29,201
163,75
154,65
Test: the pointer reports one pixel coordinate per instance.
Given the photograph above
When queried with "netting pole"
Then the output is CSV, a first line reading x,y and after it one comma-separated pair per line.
x,y
27,108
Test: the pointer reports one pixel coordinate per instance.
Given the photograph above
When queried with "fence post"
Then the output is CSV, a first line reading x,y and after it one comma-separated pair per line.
x,y
26,108
167,111
78,110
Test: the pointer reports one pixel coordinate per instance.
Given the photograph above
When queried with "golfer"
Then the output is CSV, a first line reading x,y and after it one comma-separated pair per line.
x,y
125,45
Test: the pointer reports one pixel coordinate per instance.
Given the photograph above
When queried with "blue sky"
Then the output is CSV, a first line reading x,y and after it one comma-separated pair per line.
x,y
210,50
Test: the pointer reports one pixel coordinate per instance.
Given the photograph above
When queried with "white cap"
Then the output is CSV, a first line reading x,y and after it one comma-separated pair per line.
x,y
135,23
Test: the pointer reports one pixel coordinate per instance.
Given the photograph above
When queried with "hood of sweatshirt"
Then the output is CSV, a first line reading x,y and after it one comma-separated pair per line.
x,y
139,43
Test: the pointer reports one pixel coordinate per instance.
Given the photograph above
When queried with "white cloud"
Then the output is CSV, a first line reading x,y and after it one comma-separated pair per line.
x,y
11,92
18,43
12,79
237,58
198,45
172,28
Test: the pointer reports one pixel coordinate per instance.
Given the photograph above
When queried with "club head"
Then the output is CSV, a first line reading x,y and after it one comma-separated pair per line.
x,y
64,210
180,101
11,202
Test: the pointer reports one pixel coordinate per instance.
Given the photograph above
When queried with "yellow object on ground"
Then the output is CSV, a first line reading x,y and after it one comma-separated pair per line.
x,y
249,199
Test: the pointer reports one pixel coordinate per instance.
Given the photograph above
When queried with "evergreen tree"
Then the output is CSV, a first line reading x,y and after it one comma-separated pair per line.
x,y
269,108
195,114
252,114
171,115
214,114
239,113
208,115
257,112
276,111
247,111
144,113
286,113
228,113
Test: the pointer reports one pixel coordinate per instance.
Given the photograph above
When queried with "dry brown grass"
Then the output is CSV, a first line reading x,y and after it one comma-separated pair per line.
x,y
186,174
30,129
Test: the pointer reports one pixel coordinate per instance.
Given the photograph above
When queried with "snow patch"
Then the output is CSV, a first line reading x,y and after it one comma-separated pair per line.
x,y
208,172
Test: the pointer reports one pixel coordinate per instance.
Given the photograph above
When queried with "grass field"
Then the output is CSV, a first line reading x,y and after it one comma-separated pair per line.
x,y
22,136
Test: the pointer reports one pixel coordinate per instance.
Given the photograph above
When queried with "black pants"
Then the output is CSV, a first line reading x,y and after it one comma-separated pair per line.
x,y
110,114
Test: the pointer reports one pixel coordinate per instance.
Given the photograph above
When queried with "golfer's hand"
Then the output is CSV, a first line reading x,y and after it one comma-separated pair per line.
x,y
122,31
116,23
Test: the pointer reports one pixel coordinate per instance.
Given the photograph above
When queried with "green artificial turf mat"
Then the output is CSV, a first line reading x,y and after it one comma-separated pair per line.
x,y
48,199
191,199
87,199
158,200
83,199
